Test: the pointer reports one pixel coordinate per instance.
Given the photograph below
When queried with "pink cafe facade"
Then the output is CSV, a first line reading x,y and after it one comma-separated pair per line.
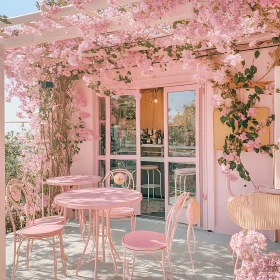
x,y
144,127
210,185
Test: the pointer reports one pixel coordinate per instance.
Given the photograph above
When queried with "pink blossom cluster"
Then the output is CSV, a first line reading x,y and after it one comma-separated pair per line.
x,y
49,11
225,169
253,144
248,247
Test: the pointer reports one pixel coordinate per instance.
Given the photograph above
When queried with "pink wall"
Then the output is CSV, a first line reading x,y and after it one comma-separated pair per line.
x,y
84,162
260,166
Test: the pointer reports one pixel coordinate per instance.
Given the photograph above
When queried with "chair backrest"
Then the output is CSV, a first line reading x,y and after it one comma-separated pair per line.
x,y
173,217
20,203
120,177
255,211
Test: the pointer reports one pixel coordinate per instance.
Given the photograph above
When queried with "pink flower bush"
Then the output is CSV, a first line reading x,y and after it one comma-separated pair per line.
x,y
248,247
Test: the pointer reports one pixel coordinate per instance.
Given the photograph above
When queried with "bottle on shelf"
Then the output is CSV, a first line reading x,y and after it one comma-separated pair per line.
x,y
159,138
148,139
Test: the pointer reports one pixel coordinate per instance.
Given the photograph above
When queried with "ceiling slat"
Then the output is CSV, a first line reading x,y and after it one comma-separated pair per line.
x,y
64,11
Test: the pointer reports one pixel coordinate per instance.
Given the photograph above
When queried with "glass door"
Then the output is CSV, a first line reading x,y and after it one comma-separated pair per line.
x,y
119,146
181,144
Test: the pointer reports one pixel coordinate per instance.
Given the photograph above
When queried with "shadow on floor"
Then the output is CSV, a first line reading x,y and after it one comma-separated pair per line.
x,y
212,257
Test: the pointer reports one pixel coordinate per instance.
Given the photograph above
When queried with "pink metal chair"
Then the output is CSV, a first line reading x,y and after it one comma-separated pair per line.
x,y
20,202
193,214
149,242
121,178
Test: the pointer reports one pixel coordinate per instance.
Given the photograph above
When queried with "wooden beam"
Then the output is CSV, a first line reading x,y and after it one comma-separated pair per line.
x,y
71,32
251,85
4,35
32,25
64,11
2,170
62,33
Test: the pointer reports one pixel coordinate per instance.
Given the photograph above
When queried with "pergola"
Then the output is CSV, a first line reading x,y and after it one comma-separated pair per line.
x,y
63,32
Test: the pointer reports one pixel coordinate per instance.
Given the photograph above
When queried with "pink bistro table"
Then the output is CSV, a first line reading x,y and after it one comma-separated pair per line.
x,y
98,200
73,180
77,181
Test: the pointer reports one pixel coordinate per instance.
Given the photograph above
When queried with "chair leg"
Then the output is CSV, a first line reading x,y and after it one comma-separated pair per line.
x,y
27,254
31,246
188,242
54,259
133,262
15,257
103,238
170,265
133,223
62,254
163,265
124,263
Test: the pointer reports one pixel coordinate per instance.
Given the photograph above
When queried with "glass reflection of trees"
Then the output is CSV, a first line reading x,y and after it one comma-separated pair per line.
x,y
102,126
123,125
182,125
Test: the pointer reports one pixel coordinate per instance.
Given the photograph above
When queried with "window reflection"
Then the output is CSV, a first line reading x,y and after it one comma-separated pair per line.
x,y
102,126
181,124
182,178
123,125
102,169
129,165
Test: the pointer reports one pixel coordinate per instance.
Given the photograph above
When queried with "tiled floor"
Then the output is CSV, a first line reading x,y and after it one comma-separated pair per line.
x,y
213,259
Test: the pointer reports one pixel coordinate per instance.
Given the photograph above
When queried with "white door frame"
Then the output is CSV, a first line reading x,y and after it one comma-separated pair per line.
x,y
190,160
108,156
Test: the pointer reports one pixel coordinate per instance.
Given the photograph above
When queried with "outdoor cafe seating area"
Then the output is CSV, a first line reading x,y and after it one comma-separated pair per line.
x,y
151,140
101,205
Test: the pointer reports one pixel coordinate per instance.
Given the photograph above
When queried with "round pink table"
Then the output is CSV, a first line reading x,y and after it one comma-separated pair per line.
x,y
98,200
73,180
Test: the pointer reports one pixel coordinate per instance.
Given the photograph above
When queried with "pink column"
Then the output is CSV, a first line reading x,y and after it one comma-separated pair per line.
x,y
277,128
2,170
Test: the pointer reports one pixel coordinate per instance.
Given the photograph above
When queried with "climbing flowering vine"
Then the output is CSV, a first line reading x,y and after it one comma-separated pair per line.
x,y
240,115
106,56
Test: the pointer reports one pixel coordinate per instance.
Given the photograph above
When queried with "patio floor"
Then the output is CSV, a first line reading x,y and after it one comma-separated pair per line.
x,y
212,257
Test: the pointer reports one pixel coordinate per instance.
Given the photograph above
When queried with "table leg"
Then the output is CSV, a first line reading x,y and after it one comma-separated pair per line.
x,y
111,245
86,245
97,220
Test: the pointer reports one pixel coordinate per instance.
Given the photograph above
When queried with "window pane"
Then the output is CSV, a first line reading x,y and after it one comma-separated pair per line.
x,y
182,177
129,165
123,125
102,126
181,124
102,169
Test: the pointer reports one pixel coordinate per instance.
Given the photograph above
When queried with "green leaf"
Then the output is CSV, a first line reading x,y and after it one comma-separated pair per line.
x,y
223,119
276,40
257,53
236,78
196,11
232,165
243,62
258,90
5,20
